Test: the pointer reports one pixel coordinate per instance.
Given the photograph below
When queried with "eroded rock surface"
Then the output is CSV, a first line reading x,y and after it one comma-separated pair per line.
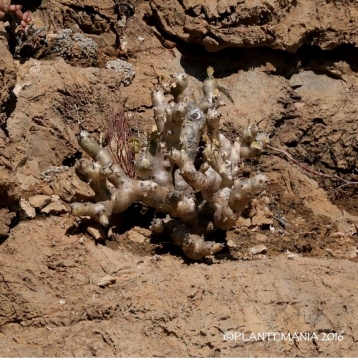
x,y
52,304
277,24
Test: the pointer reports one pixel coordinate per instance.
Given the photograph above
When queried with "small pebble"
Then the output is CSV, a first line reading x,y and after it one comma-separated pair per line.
x,y
258,249
106,280
231,244
292,256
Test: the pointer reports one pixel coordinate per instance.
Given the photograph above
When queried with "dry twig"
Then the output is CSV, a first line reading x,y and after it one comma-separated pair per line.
x,y
289,157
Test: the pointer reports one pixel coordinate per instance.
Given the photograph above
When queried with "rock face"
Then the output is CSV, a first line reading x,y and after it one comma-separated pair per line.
x,y
8,192
277,24
27,210
41,132
55,301
7,70
5,221
39,201
308,102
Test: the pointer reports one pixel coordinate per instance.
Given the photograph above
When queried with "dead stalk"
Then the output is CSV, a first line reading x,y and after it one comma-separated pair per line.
x,y
117,136
288,156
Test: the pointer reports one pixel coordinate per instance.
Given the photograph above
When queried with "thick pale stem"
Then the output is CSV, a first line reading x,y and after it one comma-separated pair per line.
x,y
194,246
93,173
249,135
224,216
173,125
208,179
213,122
162,168
128,190
253,142
223,167
166,225
100,211
144,166
212,98
147,192
244,190
179,205
171,173
159,107
235,153
178,87
192,130
225,147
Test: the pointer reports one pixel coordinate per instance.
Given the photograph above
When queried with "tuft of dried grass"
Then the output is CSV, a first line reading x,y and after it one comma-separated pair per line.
x,y
118,139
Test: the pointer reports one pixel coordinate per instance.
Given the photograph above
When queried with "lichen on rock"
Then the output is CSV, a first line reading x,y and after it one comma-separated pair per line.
x,y
75,46
122,67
